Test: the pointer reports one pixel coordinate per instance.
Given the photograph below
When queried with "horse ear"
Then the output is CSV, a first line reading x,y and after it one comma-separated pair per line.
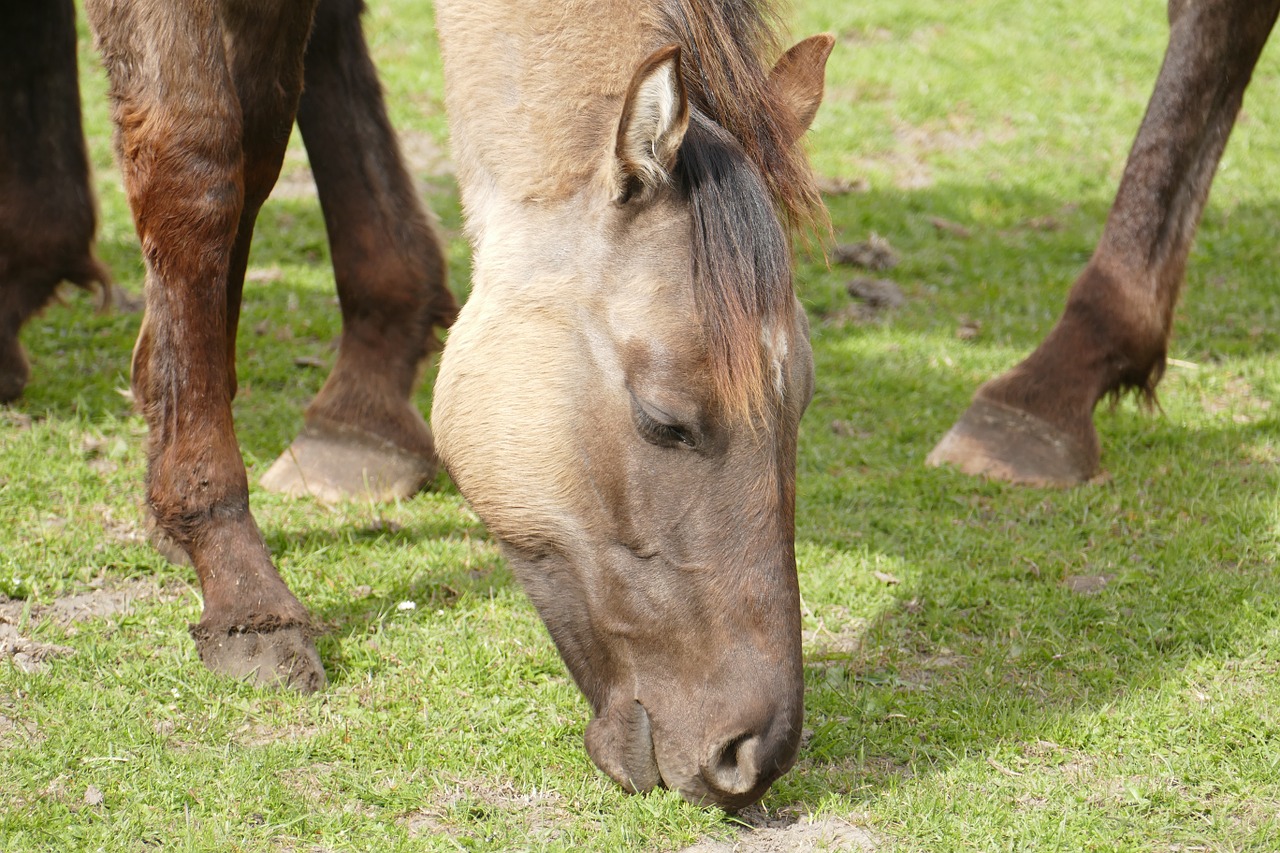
x,y
655,116
799,76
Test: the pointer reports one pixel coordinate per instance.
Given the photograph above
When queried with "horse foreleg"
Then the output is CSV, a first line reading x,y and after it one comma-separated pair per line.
x,y
46,209
1034,424
265,62
363,436
179,137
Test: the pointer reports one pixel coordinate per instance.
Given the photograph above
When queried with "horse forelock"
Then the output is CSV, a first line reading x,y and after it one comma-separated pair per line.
x,y
729,48
745,177
741,261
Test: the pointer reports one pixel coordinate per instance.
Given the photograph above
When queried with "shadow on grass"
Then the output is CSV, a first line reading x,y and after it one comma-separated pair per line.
x,y
1009,266
1005,613
346,622
416,575
1010,276
986,640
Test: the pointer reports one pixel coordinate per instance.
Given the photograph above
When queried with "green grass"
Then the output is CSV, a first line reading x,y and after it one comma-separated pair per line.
x,y
966,688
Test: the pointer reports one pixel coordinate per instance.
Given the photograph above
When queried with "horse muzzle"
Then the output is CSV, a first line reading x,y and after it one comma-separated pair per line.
x,y
731,769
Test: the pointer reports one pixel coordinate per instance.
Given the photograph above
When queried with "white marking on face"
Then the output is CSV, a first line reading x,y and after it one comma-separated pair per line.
x,y
778,344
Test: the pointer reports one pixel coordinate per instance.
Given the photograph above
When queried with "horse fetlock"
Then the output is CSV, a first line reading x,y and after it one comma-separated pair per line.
x,y
363,402
164,544
1116,325
189,510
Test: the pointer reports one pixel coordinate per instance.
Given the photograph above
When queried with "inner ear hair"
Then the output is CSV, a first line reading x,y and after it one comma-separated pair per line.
x,y
655,115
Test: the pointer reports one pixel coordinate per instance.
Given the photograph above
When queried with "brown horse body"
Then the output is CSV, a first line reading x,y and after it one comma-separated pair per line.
x,y
204,96
47,216
1034,424
620,397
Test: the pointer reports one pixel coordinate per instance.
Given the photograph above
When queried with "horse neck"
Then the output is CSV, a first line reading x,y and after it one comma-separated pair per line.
x,y
534,90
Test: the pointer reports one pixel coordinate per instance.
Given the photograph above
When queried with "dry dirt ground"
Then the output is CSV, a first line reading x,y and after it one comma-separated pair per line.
x,y
106,599
786,834
423,156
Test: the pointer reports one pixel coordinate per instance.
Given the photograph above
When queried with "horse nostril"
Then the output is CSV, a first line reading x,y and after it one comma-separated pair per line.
x,y
734,767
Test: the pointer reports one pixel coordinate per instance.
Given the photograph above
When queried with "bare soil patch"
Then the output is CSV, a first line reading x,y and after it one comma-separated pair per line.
x,y
1087,584
424,157
261,734
1238,398
798,836
540,813
99,603
28,655
914,147
17,732
837,641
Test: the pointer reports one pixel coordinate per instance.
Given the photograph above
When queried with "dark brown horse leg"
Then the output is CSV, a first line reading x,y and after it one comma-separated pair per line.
x,y
46,209
1034,424
182,140
363,435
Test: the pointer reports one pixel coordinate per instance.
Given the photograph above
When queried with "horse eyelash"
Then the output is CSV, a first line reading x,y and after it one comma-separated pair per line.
x,y
660,433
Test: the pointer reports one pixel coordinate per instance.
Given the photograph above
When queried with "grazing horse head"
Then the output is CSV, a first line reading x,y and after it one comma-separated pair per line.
x,y
620,398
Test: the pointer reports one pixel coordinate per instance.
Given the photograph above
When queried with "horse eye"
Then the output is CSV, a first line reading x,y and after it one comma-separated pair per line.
x,y
660,432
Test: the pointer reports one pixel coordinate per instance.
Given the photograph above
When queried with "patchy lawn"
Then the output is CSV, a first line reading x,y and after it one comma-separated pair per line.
x,y
988,668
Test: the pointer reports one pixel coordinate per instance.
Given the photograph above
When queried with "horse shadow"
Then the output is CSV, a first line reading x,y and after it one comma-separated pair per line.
x,y
948,636
395,539
985,618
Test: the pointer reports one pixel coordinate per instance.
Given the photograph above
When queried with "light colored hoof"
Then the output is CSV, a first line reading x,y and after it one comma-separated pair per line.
x,y
283,657
1003,443
333,466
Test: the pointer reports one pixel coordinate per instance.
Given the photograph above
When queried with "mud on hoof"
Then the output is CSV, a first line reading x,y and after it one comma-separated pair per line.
x,y
282,657
336,465
1003,443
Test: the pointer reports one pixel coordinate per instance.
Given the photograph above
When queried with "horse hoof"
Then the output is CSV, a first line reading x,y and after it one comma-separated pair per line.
x,y
116,298
283,657
338,465
1003,443
14,371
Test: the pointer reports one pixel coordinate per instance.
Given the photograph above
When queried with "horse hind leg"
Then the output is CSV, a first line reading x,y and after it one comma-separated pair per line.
x,y
47,217
363,436
1034,424
179,138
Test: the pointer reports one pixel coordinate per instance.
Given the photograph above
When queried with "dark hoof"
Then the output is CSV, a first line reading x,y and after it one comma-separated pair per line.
x,y
1003,443
116,298
283,657
333,466
14,371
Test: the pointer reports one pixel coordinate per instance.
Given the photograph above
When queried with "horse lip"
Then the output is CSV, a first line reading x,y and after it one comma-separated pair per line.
x,y
639,756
